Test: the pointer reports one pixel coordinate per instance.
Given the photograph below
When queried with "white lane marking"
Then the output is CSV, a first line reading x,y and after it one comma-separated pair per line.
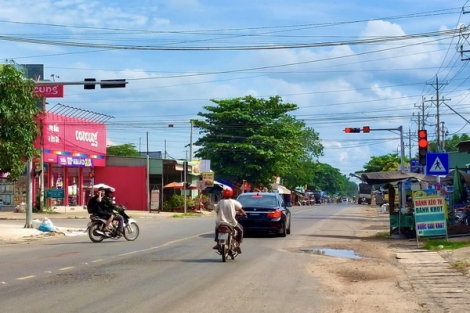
x,y
164,245
25,277
132,252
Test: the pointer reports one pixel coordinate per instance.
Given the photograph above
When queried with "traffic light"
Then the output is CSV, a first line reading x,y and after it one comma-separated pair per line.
x,y
113,83
422,146
89,86
366,129
352,130
91,174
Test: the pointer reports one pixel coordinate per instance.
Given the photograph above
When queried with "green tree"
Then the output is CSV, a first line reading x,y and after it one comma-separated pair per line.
x,y
254,139
18,125
329,179
127,149
384,163
450,143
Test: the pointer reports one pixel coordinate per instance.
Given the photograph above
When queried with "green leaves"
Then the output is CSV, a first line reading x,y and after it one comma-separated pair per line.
x,y
388,162
254,139
127,149
18,121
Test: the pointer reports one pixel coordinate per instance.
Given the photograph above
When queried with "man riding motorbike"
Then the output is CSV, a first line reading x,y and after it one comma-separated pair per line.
x,y
226,210
110,206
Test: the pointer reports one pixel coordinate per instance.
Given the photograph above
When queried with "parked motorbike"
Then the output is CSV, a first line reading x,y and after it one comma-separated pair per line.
x,y
461,217
96,225
227,242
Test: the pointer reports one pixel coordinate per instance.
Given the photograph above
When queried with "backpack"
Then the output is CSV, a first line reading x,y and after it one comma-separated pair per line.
x,y
91,205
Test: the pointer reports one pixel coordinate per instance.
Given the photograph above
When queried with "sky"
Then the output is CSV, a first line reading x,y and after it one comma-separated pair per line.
x,y
344,63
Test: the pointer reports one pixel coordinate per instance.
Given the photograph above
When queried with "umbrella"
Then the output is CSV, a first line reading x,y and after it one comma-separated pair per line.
x,y
102,185
460,193
283,190
179,185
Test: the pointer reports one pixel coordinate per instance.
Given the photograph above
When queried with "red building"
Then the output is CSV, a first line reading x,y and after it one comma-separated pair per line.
x,y
72,149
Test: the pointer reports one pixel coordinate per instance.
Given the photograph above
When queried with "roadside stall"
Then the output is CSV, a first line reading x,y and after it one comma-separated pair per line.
x,y
402,219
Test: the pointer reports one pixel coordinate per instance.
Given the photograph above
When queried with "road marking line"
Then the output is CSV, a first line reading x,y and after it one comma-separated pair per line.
x,y
165,244
99,260
66,268
26,277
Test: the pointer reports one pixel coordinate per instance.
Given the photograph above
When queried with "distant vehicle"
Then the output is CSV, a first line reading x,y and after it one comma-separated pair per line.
x,y
364,194
317,194
266,212
344,199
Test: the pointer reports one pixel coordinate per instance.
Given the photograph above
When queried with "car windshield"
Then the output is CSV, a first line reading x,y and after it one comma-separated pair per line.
x,y
258,201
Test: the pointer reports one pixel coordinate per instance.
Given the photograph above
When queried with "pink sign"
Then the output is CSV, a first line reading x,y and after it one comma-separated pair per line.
x,y
74,138
50,91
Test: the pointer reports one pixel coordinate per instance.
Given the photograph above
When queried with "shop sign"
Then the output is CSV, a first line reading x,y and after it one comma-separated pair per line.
x,y
74,161
208,179
55,193
430,214
50,91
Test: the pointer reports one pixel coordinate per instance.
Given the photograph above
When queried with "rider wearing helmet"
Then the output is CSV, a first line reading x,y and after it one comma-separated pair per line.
x,y
226,211
109,205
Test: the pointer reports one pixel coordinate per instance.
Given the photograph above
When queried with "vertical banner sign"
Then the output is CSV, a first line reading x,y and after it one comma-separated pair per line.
x,y
155,200
430,214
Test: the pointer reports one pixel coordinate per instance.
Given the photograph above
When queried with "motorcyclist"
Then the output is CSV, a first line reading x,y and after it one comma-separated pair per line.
x,y
98,210
226,210
110,206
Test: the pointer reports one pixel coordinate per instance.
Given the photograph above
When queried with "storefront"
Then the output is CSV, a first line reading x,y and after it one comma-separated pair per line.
x,y
72,148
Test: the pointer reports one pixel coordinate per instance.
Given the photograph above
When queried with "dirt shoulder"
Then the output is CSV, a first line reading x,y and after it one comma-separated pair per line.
x,y
376,281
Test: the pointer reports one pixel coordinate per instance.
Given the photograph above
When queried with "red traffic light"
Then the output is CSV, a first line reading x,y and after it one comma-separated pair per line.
x,y
422,139
352,130
366,129
91,174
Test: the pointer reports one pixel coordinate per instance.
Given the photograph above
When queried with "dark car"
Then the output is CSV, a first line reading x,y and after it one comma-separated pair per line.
x,y
266,212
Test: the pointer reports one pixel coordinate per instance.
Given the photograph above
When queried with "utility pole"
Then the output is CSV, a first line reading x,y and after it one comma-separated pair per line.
x,y
191,142
437,87
443,134
409,143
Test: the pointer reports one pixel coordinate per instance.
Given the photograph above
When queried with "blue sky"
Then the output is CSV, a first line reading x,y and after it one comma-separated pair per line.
x,y
340,62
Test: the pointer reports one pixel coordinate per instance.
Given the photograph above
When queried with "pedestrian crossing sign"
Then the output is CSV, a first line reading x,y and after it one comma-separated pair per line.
x,y
437,163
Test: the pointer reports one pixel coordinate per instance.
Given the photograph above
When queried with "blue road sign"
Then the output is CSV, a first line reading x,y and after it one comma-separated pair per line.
x,y
437,163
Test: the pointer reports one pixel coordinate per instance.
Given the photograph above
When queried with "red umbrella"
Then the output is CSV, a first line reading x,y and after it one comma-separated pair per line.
x,y
179,185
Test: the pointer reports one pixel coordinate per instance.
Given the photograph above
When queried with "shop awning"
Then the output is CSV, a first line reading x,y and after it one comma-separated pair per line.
x,y
449,178
379,178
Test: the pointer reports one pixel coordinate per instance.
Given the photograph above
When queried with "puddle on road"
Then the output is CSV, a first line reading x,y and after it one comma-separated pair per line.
x,y
333,252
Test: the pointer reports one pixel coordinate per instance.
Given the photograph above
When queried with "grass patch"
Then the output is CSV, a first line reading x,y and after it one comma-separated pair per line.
x,y
180,215
382,235
461,266
442,244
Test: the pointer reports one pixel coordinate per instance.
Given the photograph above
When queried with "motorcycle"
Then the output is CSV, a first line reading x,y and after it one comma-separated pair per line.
x,y
227,243
96,224
461,217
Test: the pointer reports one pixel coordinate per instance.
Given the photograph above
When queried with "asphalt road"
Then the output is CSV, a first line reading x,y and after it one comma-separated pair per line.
x,y
172,268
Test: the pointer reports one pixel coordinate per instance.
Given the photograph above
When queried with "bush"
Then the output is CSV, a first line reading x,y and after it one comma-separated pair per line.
x,y
176,202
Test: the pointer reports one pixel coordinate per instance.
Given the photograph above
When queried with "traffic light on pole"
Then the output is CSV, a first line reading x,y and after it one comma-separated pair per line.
x,y
422,146
352,130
